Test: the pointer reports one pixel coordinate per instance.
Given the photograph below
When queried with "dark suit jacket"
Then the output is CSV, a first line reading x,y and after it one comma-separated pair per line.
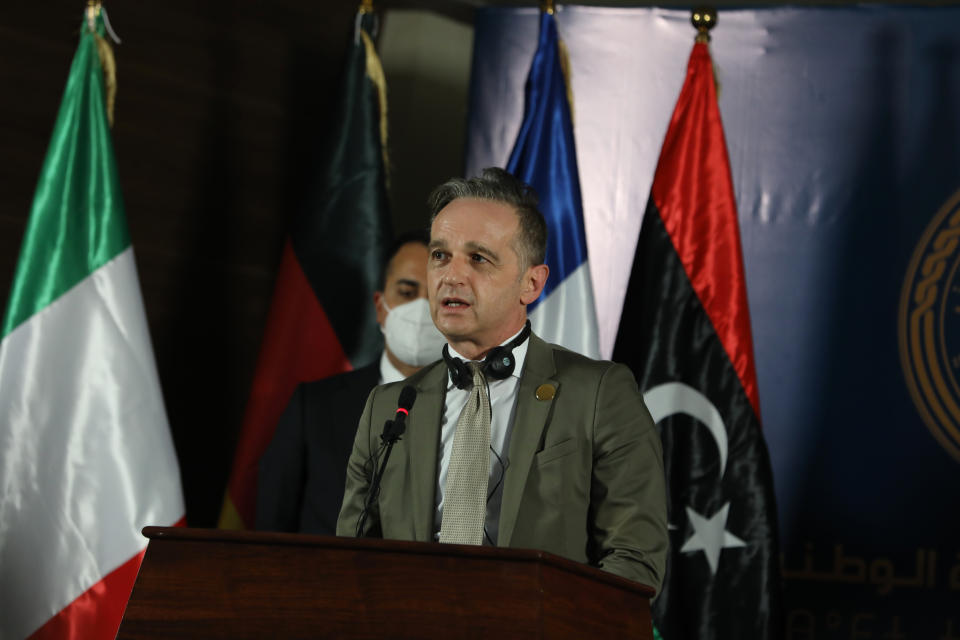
x,y
300,479
584,478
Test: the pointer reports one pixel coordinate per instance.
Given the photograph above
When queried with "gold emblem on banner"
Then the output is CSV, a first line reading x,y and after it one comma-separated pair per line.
x,y
929,326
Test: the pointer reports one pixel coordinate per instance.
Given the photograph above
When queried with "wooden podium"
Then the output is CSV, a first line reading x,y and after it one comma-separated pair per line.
x,y
207,583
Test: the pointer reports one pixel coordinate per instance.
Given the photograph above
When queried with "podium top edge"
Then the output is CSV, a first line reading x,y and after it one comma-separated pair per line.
x,y
162,534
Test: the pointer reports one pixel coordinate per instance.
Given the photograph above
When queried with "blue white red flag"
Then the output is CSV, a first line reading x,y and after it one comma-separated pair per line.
x,y
545,157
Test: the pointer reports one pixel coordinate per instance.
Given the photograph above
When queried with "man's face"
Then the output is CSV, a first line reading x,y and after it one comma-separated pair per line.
x,y
478,288
406,279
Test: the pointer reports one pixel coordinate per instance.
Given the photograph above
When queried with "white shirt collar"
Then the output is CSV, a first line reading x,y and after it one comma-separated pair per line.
x,y
388,372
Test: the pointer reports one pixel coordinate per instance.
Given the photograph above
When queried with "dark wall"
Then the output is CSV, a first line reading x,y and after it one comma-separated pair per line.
x,y
219,107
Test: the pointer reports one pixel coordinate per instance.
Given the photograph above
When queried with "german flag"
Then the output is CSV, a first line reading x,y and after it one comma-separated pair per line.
x,y
321,320
685,332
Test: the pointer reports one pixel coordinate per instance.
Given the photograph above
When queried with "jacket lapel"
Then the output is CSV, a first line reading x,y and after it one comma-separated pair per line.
x,y
423,439
528,424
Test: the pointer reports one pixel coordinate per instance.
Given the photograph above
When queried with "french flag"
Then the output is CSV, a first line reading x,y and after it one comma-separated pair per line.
x,y
545,157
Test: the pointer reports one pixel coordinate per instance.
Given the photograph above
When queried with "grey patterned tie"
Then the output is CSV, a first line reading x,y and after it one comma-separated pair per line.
x,y
465,494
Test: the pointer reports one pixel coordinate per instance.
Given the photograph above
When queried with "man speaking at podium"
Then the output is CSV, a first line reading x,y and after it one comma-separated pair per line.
x,y
509,441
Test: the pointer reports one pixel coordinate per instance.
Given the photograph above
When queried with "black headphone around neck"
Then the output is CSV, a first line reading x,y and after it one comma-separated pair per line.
x,y
498,364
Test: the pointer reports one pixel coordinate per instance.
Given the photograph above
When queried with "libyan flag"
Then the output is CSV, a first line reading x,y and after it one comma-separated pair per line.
x,y
685,332
322,320
86,458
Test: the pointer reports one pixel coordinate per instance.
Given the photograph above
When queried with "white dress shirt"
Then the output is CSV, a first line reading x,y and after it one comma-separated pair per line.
x,y
503,403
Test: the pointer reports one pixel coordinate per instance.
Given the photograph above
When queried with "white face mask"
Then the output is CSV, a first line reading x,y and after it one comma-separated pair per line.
x,y
411,334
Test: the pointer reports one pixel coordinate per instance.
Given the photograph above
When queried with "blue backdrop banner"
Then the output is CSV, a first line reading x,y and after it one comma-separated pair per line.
x,y
843,128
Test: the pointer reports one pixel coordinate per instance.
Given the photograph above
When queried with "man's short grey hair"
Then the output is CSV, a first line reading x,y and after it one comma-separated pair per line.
x,y
496,185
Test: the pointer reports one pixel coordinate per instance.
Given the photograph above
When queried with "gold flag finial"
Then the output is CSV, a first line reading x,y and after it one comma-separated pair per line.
x,y
704,19
366,6
105,52
547,6
93,10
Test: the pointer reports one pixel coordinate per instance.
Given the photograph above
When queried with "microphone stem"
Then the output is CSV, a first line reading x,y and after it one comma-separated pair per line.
x,y
383,467
375,487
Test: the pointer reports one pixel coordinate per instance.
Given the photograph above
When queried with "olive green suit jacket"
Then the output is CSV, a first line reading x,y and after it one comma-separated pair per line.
x,y
585,474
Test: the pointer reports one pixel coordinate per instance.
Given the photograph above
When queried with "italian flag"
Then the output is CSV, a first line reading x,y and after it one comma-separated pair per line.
x,y
86,458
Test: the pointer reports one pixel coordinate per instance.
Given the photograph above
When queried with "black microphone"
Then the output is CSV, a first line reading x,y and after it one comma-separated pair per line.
x,y
392,431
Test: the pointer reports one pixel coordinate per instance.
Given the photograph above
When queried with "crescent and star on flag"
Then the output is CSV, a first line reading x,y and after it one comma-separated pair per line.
x,y
710,533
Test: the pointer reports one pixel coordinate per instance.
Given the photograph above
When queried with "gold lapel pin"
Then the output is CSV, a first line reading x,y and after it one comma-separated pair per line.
x,y
546,392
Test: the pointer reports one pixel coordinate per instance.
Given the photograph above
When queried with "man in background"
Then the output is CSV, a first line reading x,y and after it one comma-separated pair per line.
x,y
301,475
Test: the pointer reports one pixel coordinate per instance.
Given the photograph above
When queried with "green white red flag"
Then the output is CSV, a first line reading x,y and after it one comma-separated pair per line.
x,y
86,458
